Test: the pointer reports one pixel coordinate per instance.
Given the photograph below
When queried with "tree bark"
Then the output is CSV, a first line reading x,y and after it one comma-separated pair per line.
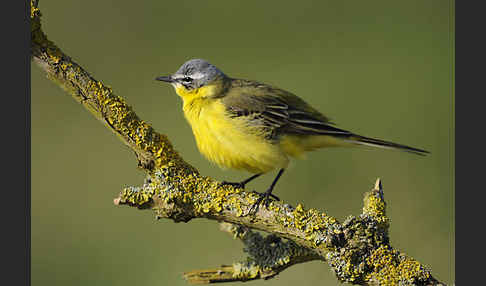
x,y
357,250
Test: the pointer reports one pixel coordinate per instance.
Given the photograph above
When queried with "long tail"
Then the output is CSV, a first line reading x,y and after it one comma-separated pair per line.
x,y
361,140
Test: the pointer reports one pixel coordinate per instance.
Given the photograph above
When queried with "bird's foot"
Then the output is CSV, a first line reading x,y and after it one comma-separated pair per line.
x,y
238,185
262,197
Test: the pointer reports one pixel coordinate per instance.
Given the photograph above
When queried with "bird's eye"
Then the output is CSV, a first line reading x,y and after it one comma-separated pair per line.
x,y
186,79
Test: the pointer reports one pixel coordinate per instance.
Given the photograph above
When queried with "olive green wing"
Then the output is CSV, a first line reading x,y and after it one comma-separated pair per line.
x,y
276,110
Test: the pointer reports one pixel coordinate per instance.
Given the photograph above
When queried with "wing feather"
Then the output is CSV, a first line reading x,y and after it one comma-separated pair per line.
x,y
278,110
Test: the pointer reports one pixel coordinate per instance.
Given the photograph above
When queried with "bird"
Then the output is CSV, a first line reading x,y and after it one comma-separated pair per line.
x,y
256,127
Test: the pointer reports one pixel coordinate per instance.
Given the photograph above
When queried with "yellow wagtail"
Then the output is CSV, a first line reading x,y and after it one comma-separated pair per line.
x,y
252,126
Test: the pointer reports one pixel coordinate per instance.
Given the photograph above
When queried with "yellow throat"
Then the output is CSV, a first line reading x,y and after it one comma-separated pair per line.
x,y
224,140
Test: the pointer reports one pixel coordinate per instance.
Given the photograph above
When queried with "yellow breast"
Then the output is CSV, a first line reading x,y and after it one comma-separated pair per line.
x,y
229,142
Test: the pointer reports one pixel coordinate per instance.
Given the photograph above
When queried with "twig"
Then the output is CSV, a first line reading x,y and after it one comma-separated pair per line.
x,y
358,250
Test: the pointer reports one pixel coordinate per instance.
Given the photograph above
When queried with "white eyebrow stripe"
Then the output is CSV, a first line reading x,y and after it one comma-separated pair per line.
x,y
197,75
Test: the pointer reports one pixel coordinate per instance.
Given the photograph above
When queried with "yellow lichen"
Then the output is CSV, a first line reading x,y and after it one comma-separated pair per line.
x,y
184,184
375,207
390,269
246,272
34,11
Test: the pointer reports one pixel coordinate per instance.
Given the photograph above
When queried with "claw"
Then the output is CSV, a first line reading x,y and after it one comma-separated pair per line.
x,y
262,197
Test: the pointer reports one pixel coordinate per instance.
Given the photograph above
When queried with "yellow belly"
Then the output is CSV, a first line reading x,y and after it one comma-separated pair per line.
x,y
229,142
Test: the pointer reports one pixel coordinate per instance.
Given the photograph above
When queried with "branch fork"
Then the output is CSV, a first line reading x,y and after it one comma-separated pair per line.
x,y
358,250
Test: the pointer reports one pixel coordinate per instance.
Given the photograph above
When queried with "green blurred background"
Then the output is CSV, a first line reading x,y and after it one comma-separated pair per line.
x,y
379,68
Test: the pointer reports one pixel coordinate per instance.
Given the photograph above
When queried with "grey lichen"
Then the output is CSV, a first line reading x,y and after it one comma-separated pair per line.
x,y
358,250
267,255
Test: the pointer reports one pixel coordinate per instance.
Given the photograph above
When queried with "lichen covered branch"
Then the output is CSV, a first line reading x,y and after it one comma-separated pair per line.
x,y
267,256
183,198
357,250
152,149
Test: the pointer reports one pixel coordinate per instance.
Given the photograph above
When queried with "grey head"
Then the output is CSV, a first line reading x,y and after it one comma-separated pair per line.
x,y
193,74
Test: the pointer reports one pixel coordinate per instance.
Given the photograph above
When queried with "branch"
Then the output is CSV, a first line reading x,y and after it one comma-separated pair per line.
x,y
267,256
357,250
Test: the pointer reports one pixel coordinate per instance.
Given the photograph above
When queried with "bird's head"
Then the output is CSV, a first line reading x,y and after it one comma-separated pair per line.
x,y
196,78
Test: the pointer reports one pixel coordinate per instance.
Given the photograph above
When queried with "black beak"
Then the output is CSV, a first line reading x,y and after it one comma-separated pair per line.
x,y
165,78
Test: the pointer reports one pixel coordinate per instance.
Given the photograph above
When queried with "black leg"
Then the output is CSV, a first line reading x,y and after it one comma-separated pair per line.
x,y
242,183
266,195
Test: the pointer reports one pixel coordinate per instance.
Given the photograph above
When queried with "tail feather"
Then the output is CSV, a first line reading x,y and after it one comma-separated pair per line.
x,y
361,140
